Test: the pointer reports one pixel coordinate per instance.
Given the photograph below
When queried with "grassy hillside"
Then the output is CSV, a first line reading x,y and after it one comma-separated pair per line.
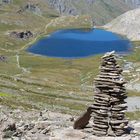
x,y
30,81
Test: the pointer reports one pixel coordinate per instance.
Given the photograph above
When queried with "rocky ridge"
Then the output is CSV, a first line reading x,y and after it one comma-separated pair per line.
x,y
102,11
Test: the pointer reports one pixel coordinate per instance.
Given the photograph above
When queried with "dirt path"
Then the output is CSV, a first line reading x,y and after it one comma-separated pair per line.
x,y
24,70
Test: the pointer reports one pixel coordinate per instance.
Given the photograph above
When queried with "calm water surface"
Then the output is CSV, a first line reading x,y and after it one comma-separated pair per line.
x,y
74,43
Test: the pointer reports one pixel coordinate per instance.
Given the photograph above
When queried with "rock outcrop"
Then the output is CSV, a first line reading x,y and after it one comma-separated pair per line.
x,y
101,11
32,7
21,35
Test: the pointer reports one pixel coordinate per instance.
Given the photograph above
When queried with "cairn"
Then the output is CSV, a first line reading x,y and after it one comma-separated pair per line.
x,y
108,110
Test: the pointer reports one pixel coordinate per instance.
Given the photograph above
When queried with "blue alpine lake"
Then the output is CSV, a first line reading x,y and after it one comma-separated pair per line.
x,y
76,43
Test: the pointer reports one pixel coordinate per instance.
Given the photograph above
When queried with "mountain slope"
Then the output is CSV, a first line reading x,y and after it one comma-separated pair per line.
x,y
102,11
127,24
133,3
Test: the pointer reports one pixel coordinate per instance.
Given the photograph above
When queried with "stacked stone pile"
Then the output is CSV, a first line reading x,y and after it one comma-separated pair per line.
x,y
109,108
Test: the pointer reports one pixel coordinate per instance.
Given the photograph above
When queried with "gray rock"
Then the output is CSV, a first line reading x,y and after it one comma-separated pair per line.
x,y
42,125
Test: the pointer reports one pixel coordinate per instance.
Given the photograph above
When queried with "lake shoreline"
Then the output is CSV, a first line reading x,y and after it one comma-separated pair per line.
x,y
83,34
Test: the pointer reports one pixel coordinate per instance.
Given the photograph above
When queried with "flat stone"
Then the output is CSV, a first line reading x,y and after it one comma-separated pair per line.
x,y
100,126
99,133
117,90
100,112
102,102
108,54
101,82
110,74
102,120
102,95
100,123
110,80
112,69
119,121
99,129
101,98
99,107
118,127
118,109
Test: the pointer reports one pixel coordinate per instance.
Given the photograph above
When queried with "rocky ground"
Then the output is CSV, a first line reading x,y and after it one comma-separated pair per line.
x,y
46,125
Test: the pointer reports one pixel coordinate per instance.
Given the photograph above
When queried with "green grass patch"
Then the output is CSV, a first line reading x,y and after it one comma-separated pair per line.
x,y
4,94
133,93
133,115
135,55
